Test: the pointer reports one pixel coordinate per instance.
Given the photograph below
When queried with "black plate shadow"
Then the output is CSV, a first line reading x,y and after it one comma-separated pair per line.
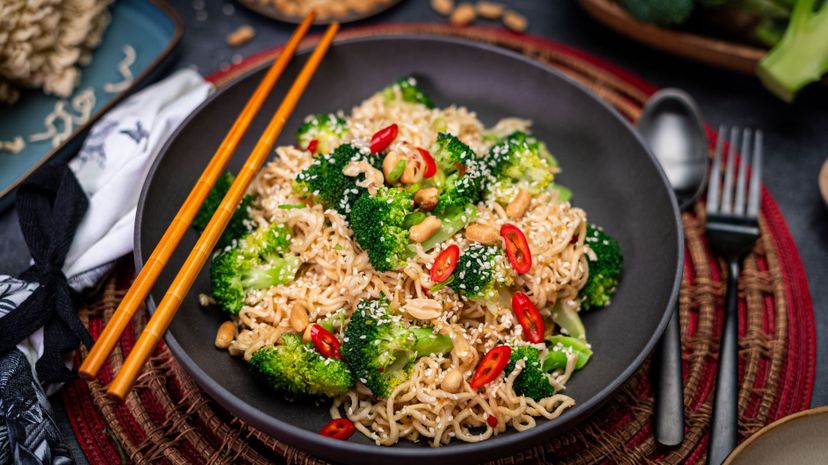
x,y
605,163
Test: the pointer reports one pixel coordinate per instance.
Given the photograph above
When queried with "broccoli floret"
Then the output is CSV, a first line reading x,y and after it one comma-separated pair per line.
x,y
239,224
324,181
326,129
377,222
604,268
481,271
407,89
662,12
533,381
449,152
801,57
296,368
520,162
257,261
381,350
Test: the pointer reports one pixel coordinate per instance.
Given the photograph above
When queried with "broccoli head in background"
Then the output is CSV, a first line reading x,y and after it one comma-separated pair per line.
x,y
520,162
407,90
296,368
381,350
377,222
324,181
661,12
259,260
604,268
481,271
326,129
239,224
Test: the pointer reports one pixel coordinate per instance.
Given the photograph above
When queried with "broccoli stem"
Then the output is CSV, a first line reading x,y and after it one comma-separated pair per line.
x,y
566,316
561,347
429,342
801,57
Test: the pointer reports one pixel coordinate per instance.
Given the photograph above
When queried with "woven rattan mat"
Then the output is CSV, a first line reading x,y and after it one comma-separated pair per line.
x,y
167,419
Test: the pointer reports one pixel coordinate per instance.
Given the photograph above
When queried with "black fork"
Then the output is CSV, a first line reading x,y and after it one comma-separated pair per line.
x,y
732,230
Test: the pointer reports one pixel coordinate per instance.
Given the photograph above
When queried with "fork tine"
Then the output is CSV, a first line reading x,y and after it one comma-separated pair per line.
x,y
741,179
755,177
727,189
715,173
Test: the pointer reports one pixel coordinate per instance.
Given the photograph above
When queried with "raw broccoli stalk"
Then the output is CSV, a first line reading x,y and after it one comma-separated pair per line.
x,y
560,349
381,350
239,224
533,381
324,181
257,261
663,12
327,129
604,268
407,90
520,162
801,57
481,271
377,222
298,369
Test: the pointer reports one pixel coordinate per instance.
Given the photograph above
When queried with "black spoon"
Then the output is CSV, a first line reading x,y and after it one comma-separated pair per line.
x,y
671,125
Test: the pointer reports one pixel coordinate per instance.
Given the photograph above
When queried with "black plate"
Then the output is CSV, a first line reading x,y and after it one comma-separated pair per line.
x,y
605,163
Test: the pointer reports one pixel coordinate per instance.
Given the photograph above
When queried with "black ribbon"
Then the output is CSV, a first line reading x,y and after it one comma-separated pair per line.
x,y
50,204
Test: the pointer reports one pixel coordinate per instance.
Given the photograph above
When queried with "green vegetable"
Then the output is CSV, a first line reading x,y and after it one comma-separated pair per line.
x,y
564,193
324,182
533,381
378,225
413,219
296,368
559,349
327,129
397,171
381,350
604,271
453,222
449,152
240,222
292,206
801,57
257,261
520,162
565,315
662,12
481,271
407,90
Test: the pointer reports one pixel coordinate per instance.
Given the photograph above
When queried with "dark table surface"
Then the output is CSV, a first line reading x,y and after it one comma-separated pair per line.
x,y
796,139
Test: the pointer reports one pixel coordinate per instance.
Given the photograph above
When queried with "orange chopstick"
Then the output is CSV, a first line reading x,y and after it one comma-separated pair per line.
x,y
166,310
156,262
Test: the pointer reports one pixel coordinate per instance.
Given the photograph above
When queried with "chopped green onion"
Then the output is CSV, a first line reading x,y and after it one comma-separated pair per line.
x,y
397,171
413,219
338,247
292,206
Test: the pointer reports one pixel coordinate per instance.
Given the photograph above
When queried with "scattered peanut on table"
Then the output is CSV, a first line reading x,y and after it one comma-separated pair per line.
x,y
443,7
464,14
241,36
515,21
490,10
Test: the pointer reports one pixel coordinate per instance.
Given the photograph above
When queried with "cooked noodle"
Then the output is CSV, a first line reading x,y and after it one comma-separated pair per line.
x,y
336,274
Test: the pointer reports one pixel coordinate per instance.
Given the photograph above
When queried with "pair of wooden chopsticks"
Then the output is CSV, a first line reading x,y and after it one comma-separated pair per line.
x,y
199,254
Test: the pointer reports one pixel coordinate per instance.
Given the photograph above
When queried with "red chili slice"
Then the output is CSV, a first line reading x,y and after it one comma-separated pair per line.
x,y
324,341
492,421
492,365
445,263
340,428
516,248
383,138
312,145
431,166
529,318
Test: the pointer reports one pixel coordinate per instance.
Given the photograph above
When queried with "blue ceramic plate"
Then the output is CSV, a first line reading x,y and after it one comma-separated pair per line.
x,y
152,28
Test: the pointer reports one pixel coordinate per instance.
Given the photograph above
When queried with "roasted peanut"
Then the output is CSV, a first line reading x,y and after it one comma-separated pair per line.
x,y
373,177
306,336
518,206
224,335
515,21
443,7
421,232
298,318
413,172
426,198
423,309
452,381
489,10
482,233
240,36
463,14
466,356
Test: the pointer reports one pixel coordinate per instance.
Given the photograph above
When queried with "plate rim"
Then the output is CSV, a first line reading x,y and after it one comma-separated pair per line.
x,y
796,416
178,33
493,447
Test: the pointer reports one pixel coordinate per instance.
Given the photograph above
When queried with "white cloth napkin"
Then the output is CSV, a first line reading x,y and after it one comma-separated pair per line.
x,y
111,168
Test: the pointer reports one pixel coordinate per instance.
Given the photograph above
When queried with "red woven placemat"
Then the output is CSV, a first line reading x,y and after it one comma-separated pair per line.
x,y
167,419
